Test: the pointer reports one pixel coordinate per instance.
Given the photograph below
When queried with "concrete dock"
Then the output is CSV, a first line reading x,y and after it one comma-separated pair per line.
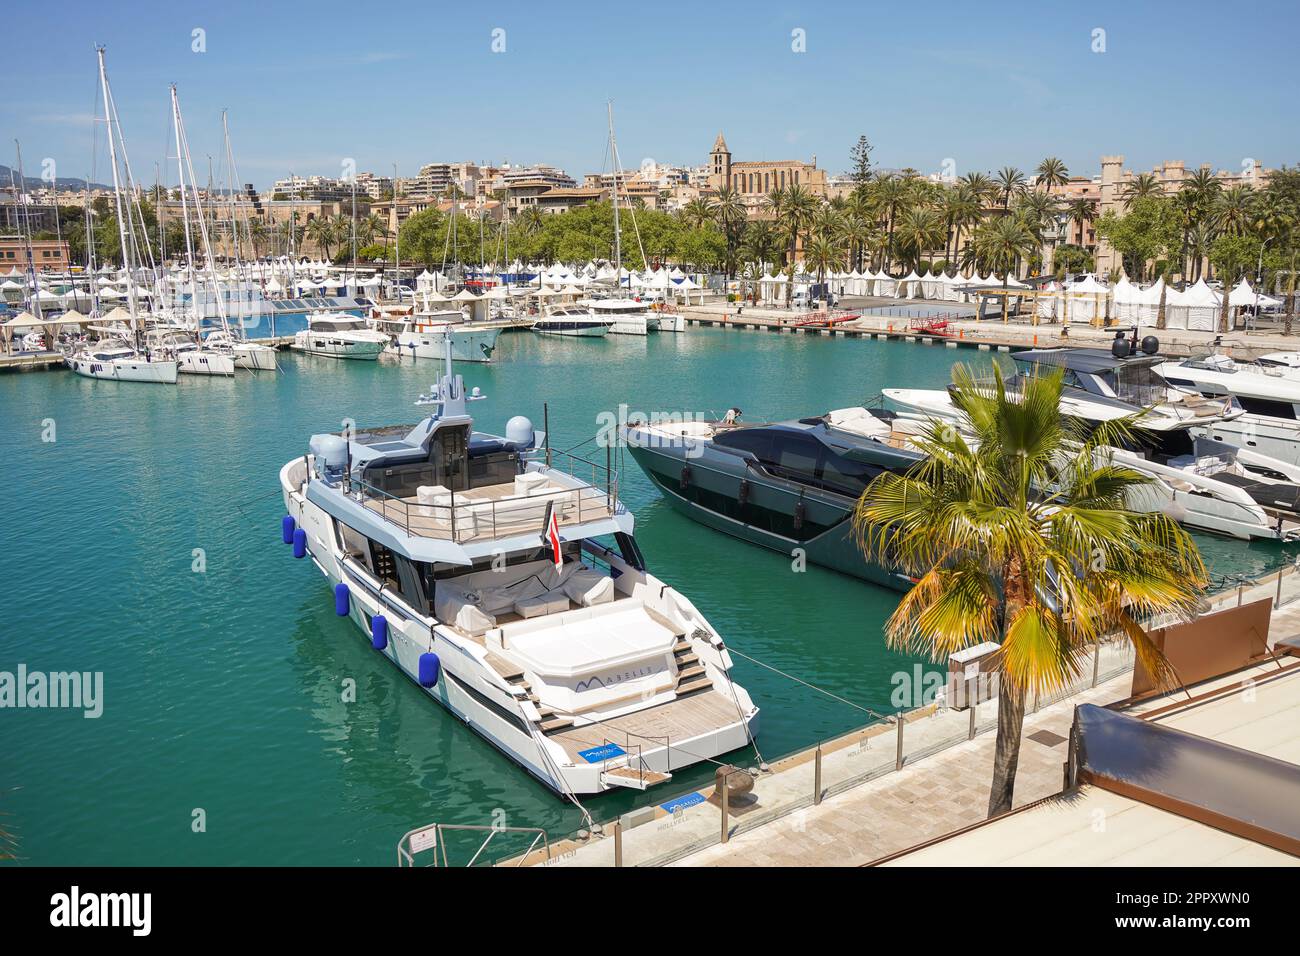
x,y
878,796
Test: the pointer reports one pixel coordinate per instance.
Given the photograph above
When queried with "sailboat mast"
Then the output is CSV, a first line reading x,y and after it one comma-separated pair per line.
x,y
117,193
618,241
397,238
90,248
184,149
185,216
25,231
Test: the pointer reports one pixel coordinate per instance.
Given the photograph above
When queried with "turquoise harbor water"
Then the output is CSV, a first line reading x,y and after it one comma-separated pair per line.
x,y
223,689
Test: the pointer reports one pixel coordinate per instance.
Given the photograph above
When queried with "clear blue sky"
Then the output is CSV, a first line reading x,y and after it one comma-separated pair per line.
x,y
985,84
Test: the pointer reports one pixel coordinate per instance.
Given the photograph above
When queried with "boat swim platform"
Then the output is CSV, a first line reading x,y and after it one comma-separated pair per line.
x,y
649,731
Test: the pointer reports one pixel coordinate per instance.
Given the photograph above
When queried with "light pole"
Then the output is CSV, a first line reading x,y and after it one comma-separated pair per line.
x,y
1259,274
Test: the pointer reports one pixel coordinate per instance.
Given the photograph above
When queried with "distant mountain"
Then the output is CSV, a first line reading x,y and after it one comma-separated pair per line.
x,y
65,184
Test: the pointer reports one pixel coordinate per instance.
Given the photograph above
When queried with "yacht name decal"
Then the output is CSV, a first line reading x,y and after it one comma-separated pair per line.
x,y
612,680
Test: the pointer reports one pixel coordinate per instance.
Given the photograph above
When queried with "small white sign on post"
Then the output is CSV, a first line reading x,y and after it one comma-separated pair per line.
x,y
425,839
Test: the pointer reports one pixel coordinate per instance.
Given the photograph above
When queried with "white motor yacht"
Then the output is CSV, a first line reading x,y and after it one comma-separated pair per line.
x,y
514,594
1200,481
117,360
425,334
573,320
627,316
340,335
1267,390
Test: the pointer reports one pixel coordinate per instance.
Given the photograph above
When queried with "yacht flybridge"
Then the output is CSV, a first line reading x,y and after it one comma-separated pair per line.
x,y
513,592
1198,478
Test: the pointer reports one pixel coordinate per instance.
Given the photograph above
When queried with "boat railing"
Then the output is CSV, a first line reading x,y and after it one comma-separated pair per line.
x,y
433,838
580,491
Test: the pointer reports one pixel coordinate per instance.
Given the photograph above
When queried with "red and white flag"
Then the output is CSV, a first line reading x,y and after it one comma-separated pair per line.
x,y
552,536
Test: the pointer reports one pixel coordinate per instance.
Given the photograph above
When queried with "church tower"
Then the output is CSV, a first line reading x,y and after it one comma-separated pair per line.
x,y
720,164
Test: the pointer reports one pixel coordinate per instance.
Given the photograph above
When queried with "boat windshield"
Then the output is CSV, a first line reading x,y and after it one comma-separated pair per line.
x,y
336,325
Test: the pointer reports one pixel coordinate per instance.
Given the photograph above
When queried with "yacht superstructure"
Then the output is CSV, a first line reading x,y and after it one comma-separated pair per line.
x,y
1200,481
573,320
425,334
1268,391
506,581
626,316
340,335
787,486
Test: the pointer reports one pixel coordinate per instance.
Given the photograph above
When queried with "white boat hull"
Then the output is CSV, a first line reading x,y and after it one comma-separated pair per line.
x,y
334,346
672,323
254,357
467,345
203,362
572,329
630,325
469,687
1275,437
161,372
1195,500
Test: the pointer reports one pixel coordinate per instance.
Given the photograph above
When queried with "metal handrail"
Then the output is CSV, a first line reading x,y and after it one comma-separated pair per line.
x,y
441,520
406,855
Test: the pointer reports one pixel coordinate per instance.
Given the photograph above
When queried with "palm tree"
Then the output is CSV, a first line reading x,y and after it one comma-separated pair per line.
x,y
1022,536
1037,211
892,194
856,232
1052,172
1009,180
981,184
697,213
370,226
823,255
1000,244
919,229
1233,210
795,208
962,208
1144,186
728,210
321,231
1082,211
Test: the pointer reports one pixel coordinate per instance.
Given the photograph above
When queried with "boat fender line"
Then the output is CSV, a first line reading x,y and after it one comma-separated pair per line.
x,y
800,509
299,543
379,632
342,600
430,669
742,497
287,526
686,476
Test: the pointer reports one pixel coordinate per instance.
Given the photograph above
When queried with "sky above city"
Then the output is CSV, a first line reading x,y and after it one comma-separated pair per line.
x,y
939,87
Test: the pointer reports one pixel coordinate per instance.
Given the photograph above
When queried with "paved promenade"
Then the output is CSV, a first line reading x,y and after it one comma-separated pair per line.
x,y
869,808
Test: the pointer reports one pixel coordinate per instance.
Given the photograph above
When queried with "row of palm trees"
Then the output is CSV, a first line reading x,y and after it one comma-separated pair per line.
x,y
1003,221
991,221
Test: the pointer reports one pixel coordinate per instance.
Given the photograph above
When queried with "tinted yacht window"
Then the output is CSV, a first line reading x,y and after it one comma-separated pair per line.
x,y
756,441
846,476
796,455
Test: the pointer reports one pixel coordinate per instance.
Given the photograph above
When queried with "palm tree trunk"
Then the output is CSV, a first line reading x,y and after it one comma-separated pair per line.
x,y
1006,756
1290,303
1160,313
1225,310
